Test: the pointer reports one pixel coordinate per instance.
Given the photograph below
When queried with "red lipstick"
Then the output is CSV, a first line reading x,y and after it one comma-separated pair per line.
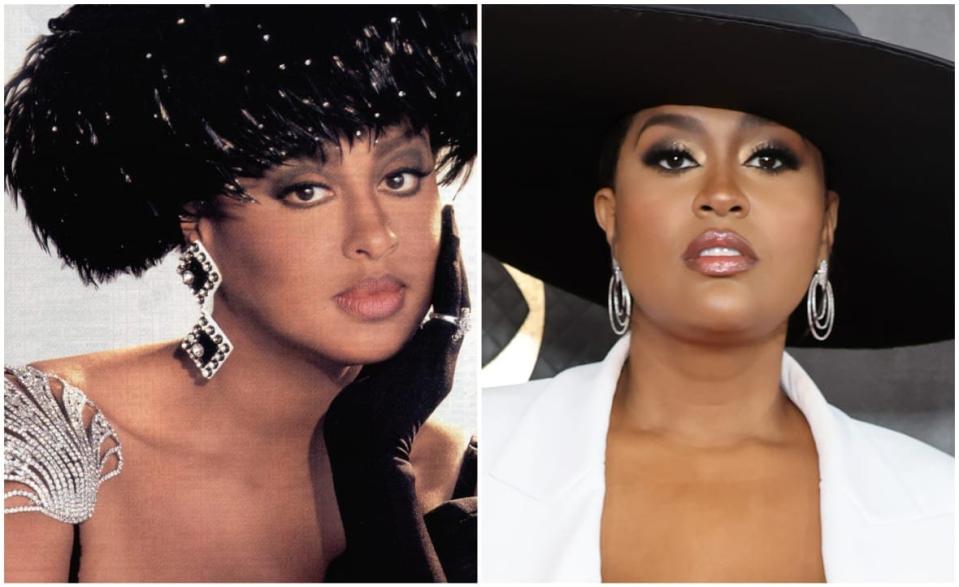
x,y
719,253
372,298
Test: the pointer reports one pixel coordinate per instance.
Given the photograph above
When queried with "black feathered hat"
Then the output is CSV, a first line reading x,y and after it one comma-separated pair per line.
x,y
557,78
122,114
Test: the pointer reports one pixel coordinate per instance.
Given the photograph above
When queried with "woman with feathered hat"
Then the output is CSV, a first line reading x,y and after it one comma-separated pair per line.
x,y
292,154
726,137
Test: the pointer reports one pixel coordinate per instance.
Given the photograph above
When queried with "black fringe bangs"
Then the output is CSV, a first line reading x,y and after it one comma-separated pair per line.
x,y
123,114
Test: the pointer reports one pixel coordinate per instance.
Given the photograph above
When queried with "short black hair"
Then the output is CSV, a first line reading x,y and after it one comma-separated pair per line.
x,y
123,114
616,135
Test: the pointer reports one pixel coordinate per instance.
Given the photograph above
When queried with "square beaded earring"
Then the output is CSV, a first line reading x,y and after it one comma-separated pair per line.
x,y
206,344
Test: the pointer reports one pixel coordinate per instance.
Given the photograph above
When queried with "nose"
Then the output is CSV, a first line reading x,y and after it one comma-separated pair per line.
x,y
721,196
369,234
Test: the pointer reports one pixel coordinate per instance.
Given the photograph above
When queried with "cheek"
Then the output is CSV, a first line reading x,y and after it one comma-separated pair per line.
x,y
792,235
646,223
648,229
264,262
416,224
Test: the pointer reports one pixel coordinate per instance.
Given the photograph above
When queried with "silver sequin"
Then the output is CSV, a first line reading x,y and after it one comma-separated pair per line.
x,y
47,447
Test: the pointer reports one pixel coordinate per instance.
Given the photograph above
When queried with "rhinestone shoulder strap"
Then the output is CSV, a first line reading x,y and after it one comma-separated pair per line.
x,y
56,445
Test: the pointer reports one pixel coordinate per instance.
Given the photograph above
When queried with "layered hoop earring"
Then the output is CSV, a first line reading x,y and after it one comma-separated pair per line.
x,y
206,344
820,305
620,303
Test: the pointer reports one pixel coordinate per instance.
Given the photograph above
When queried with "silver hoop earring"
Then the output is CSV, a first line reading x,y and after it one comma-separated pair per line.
x,y
620,303
206,344
820,305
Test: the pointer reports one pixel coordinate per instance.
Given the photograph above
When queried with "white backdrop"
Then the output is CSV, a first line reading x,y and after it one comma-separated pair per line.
x,y
48,312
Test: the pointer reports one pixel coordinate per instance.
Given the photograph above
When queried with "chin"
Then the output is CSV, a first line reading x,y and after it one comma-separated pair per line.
x,y
367,354
713,334
364,344
334,336
731,309
729,329
725,321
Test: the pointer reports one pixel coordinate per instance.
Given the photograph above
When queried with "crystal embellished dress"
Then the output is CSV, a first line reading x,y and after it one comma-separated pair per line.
x,y
59,448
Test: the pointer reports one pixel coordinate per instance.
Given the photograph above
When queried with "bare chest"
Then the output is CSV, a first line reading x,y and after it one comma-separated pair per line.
x,y
731,522
170,517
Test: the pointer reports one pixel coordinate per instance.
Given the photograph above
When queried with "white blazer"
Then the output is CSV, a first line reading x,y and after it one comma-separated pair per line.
x,y
886,499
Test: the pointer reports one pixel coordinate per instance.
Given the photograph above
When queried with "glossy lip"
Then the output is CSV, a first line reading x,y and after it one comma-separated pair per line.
x,y
719,266
373,298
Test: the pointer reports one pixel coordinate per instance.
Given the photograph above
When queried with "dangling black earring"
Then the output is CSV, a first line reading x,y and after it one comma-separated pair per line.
x,y
207,344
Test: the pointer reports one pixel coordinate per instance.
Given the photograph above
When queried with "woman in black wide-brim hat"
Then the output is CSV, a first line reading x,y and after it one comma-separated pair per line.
x,y
725,139
292,155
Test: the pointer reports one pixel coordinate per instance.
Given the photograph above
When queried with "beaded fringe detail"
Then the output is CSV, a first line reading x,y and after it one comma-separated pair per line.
x,y
48,447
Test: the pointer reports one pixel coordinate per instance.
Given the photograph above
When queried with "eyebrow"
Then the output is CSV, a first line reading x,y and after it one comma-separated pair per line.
x,y
693,124
382,147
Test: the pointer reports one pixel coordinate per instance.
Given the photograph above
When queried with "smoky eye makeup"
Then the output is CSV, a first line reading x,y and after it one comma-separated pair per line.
x,y
673,157
399,173
303,193
669,157
412,157
774,157
404,182
402,173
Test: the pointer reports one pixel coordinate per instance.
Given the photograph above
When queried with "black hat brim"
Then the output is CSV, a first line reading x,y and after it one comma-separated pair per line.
x,y
555,79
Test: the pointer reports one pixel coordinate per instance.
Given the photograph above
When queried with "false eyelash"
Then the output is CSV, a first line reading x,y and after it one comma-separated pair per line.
x,y
298,186
658,153
420,173
779,151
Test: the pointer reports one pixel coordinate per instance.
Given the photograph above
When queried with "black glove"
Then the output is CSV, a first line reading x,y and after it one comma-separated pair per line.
x,y
369,430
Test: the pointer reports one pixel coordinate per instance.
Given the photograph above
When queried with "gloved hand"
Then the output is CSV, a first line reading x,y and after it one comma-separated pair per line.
x,y
369,430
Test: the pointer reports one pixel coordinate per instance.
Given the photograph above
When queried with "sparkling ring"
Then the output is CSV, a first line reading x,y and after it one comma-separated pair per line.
x,y
461,322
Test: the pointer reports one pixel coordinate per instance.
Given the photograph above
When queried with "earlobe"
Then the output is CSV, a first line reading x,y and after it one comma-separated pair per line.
x,y
604,206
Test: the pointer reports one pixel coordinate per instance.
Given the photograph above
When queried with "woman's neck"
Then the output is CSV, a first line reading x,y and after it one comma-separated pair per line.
x,y
271,387
703,395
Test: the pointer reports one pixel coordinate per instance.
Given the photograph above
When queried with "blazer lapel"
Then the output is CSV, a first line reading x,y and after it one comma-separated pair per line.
x,y
873,526
569,420
556,457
